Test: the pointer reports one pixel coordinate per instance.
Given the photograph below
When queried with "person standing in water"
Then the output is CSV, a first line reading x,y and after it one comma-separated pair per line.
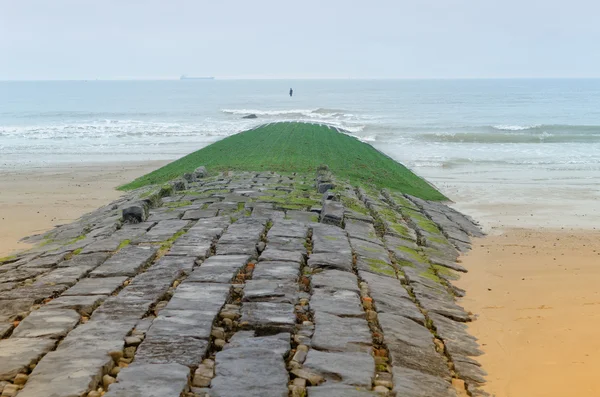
x,y
291,92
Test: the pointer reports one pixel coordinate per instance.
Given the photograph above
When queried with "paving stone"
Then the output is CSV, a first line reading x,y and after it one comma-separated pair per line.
x,y
199,296
334,280
196,324
10,309
362,230
278,343
332,213
249,372
440,302
272,254
103,245
67,373
84,305
63,275
150,380
355,369
331,260
287,244
269,317
270,291
218,269
343,303
390,296
127,262
455,336
36,293
21,274
16,354
198,251
285,228
122,307
412,383
471,373
162,231
198,214
339,334
302,216
44,262
339,390
276,271
237,249
86,260
96,286
164,214
47,322
171,349
411,345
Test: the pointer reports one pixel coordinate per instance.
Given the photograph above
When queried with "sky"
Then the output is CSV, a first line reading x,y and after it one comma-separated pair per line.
x,y
85,39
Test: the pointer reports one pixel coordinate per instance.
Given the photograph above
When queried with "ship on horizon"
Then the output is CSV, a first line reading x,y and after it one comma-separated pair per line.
x,y
186,77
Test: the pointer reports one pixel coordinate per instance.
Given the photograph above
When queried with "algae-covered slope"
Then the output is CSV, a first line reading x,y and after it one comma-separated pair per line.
x,y
297,147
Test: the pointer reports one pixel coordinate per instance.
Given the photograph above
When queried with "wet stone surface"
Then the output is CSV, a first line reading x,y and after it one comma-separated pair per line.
x,y
245,283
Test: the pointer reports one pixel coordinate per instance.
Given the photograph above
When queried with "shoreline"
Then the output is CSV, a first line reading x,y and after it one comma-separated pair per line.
x,y
33,201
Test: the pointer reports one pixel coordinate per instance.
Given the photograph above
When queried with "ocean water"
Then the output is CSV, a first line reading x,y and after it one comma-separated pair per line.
x,y
477,131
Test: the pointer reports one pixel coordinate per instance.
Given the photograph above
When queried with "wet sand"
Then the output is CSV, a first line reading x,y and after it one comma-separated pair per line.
x,y
537,297
33,201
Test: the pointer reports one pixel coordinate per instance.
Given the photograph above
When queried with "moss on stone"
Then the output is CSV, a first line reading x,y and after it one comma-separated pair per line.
x,y
431,275
177,204
380,266
123,244
354,205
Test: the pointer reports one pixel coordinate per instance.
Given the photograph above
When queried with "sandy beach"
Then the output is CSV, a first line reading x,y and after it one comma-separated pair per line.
x,y
34,200
536,296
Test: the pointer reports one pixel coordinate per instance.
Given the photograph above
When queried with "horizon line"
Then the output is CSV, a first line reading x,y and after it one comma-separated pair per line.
x,y
299,78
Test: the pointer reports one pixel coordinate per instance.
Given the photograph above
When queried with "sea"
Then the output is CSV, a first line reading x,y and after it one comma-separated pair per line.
x,y
517,140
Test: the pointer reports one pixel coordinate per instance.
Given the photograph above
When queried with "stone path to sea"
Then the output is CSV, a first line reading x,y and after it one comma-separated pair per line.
x,y
243,284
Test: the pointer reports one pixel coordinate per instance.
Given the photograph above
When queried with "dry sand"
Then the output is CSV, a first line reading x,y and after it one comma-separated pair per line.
x,y
33,201
537,295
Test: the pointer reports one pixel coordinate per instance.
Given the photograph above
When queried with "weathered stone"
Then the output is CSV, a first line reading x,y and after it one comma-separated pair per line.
x,y
11,309
249,372
218,269
334,280
285,228
412,383
338,390
331,260
17,354
343,303
362,230
150,380
199,214
96,286
269,317
470,372
354,368
184,350
455,336
198,251
136,213
47,322
390,296
275,255
411,345
278,343
276,271
200,172
127,262
84,305
332,213
162,231
338,334
288,244
35,293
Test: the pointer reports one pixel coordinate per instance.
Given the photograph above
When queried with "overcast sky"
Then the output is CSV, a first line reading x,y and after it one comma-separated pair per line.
x,y
85,39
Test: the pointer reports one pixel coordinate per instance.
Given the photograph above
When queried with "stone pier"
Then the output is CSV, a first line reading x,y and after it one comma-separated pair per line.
x,y
243,284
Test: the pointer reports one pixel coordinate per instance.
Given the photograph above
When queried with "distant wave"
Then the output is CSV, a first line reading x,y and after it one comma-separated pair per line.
x,y
503,127
291,113
516,134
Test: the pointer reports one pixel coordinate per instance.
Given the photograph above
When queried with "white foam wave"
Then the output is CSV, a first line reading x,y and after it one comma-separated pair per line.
x,y
507,127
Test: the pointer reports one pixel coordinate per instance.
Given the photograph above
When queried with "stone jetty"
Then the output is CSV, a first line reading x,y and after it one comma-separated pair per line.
x,y
243,284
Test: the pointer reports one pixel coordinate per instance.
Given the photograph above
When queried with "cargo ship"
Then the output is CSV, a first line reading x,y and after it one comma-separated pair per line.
x,y
184,77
